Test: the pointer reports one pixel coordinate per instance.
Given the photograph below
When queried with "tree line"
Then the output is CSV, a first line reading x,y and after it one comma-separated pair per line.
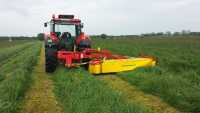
x,y
153,34
40,36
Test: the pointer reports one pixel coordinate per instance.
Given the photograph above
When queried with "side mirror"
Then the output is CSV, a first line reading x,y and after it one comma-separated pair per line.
x,y
45,24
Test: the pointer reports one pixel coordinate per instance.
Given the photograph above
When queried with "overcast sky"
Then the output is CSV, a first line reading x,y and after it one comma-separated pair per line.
x,y
117,17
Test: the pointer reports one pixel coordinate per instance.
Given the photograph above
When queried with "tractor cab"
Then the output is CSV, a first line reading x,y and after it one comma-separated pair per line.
x,y
65,24
66,33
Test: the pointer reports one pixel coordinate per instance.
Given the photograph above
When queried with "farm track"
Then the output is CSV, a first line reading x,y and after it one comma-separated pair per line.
x,y
132,94
40,97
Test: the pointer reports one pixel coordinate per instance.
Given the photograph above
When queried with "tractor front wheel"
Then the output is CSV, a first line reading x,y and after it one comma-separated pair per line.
x,y
50,59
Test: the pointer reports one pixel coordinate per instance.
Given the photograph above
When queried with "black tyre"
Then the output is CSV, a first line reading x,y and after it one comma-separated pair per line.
x,y
50,60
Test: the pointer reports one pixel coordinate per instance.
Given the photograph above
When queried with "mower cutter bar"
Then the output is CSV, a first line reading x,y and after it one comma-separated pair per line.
x,y
119,65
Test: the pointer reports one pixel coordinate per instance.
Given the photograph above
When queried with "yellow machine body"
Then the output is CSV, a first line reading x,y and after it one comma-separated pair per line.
x,y
120,65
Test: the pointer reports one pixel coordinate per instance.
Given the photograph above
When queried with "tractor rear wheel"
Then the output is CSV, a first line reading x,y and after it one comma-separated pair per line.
x,y
50,60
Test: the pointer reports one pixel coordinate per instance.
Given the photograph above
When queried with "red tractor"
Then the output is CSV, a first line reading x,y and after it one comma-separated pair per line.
x,y
66,35
67,43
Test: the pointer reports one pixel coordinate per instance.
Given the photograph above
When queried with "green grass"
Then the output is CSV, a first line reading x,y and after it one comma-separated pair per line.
x,y
176,78
5,43
15,79
8,52
80,92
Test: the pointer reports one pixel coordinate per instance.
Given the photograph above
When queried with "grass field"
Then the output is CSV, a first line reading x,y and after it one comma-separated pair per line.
x,y
5,43
173,82
15,75
176,77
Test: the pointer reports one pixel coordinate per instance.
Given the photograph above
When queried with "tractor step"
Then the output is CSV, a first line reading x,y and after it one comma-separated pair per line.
x,y
119,65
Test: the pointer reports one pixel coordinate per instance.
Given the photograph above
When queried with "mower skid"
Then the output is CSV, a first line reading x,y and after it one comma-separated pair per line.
x,y
120,65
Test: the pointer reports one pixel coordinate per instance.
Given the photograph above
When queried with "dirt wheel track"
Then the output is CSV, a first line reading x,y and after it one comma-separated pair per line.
x,y
40,97
132,94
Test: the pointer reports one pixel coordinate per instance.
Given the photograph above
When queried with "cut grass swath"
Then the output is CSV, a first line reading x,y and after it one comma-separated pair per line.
x,y
8,52
6,43
13,87
79,92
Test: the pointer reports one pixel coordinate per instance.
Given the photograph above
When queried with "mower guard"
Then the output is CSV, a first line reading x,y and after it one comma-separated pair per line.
x,y
119,65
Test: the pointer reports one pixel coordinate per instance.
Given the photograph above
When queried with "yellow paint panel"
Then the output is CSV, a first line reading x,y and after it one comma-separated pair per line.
x,y
119,65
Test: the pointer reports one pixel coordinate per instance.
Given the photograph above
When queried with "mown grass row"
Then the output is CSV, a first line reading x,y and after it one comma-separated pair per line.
x,y
176,78
80,92
16,78
5,53
6,43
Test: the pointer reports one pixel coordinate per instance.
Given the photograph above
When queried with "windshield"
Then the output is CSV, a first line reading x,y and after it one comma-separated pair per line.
x,y
60,28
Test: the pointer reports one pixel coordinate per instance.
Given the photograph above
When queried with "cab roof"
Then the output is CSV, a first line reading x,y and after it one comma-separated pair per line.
x,y
65,19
